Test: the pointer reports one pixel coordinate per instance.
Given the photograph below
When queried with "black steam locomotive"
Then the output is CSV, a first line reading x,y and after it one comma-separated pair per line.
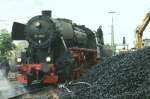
x,y
58,49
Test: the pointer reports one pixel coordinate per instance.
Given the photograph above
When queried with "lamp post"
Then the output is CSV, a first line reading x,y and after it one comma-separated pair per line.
x,y
112,28
112,31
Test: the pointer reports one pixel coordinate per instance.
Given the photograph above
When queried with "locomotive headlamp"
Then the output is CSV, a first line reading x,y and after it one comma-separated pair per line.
x,y
48,59
19,60
37,24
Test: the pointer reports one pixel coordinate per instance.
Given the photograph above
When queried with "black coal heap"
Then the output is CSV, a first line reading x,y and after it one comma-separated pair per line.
x,y
125,76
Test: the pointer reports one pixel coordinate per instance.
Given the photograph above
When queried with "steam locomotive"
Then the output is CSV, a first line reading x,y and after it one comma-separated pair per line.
x,y
58,50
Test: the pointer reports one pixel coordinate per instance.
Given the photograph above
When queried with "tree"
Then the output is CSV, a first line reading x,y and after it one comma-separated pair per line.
x,y
6,45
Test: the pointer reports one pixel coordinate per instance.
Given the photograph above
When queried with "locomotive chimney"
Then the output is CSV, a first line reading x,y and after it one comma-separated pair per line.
x,y
46,13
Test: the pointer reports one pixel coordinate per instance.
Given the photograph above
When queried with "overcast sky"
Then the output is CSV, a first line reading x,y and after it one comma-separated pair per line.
x,y
91,13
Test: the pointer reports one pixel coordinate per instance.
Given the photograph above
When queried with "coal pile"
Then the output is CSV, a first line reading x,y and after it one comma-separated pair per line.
x,y
125,76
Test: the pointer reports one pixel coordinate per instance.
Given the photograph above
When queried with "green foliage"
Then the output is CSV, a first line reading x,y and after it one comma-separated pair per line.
x,y
6,44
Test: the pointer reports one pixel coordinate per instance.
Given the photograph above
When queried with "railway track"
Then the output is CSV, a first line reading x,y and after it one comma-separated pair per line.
x,y
19,91
34,92
12,89
48,92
